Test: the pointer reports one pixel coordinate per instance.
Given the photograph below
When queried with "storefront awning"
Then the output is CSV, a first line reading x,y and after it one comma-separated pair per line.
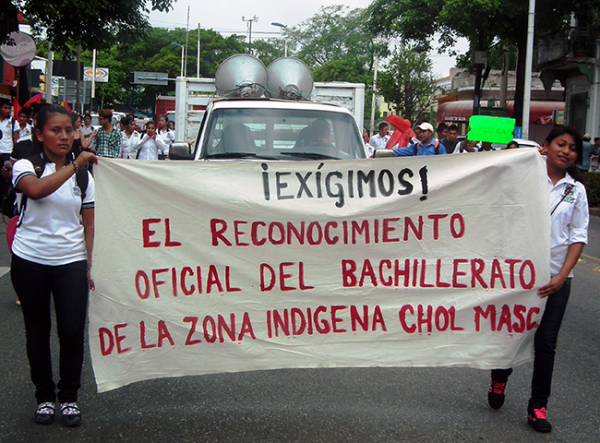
x,y
540,112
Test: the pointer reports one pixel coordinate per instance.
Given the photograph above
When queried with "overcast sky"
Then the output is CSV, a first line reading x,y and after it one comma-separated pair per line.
x,y
226,17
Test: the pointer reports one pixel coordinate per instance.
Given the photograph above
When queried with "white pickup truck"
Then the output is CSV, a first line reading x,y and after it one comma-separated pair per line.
x,y
270,128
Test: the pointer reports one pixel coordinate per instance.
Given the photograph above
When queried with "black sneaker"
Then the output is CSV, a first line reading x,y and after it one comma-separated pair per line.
x,y
44,414
536,416
496,394
71,415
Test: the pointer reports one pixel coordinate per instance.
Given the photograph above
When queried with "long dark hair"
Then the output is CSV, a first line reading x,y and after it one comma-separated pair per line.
x,y
573,170
45,113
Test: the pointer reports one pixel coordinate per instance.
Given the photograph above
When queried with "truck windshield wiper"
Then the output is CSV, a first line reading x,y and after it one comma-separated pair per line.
x,y
231,155
239,155
313,155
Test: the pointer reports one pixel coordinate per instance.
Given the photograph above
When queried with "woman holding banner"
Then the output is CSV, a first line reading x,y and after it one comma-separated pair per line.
x,y
51,256
570,218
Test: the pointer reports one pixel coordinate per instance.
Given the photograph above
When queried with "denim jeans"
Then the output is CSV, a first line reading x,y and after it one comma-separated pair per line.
x,y
68,286
544,347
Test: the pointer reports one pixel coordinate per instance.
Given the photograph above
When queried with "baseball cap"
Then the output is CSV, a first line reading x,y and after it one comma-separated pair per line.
x,y
425,127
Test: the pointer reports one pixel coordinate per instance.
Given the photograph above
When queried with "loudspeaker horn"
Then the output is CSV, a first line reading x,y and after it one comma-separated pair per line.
x,y
289,78
241,75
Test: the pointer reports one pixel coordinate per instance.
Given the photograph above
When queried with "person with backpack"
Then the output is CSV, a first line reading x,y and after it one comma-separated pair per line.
x,y
426,146
51,258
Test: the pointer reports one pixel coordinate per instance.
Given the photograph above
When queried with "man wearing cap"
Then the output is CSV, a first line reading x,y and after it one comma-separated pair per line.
x,y
426,145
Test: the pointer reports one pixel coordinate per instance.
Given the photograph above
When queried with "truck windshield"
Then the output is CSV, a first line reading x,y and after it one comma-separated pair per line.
x,y
289,134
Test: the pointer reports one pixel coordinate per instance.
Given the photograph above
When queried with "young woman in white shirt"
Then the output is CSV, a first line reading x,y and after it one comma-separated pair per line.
x,y
131,139
51,258
151,144
166,135
569,222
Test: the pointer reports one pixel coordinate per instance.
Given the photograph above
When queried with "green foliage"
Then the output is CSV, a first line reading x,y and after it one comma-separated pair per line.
x,y
337,34
153,52
482,22
95,24
269,50
407,83
338,44
592,186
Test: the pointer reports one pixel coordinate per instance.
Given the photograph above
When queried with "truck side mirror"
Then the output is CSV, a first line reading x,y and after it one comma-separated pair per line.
x,y
180,151
383,153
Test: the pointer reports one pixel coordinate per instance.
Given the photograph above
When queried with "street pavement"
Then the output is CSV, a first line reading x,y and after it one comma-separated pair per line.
x,y
321,405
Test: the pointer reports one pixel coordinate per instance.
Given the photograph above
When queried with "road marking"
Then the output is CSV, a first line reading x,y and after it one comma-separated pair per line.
x,y
4,271
590,257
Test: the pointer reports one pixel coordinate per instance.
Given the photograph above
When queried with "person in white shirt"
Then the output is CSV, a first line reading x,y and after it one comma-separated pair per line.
x,y
568,234
379,140
166,135
150,145
6,145
51,260
22,132
23,129
131,139
87,129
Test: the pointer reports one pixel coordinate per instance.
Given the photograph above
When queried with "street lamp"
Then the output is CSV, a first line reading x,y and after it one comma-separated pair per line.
x,y
279,25
182,48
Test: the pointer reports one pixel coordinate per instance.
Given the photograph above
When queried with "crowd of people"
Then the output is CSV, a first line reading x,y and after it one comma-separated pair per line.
x,y
45,160
423,142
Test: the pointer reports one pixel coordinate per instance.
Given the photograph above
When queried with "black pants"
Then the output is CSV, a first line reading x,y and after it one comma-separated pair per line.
x,y
5,183
544,347
68,286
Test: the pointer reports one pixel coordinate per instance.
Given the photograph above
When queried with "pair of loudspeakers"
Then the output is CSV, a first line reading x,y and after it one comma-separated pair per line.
x,y
243,75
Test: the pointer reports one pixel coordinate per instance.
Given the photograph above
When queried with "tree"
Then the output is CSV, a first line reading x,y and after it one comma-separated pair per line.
x,y
336,34
407,83
338,44
269,50
153,52
93,25
482,22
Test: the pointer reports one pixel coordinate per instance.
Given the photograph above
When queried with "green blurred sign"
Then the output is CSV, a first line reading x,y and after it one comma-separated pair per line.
x,y
484,128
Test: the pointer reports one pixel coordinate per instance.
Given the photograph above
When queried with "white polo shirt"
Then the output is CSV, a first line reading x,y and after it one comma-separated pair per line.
x,y
6,140
25,133
51,232
379,142
569,221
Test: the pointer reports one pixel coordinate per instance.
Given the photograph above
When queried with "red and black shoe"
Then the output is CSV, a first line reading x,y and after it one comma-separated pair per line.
x,y
536,416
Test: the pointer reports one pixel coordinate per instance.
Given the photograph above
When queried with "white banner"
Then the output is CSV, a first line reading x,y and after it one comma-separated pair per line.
x,y
227,266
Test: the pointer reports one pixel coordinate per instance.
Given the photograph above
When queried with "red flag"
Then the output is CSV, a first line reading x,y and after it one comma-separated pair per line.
x,y
17,107
402,130
35,99
67,107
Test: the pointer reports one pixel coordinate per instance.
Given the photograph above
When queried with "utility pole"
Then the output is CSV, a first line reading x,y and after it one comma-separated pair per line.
x,y
249,21
187,32
93,103
528,69
374,98
198,55
49,73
